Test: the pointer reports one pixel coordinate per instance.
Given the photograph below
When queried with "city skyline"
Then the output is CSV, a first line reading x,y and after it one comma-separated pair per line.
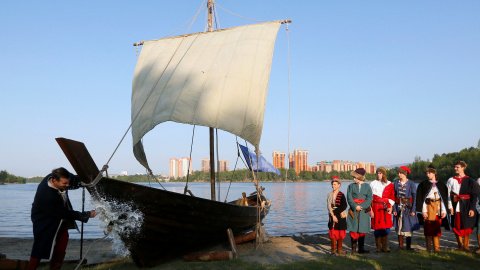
x,y
298,160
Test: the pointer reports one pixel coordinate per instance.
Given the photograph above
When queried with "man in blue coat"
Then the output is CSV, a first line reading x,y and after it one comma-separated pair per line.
x,y
52,216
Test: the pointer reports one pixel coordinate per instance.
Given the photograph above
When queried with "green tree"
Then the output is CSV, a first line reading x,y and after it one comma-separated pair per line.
x,y
292,174
3,176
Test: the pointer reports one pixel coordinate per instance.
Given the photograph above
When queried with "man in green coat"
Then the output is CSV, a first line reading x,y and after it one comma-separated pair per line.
x,y
359,197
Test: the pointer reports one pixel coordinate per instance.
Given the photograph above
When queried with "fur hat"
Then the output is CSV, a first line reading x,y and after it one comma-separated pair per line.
x,y
404,169
359,174
382,170
336,179
431,169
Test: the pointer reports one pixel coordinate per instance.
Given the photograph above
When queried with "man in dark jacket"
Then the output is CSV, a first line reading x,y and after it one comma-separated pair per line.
x,y
432,202
52,216
463,192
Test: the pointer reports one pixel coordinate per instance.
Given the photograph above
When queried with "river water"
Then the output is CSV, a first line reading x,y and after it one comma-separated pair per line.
x,y
296,207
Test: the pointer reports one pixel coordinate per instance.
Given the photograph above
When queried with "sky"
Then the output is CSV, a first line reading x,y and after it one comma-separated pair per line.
x,y
373,81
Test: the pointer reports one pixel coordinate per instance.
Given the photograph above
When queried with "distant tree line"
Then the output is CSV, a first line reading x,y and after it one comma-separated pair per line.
x,y
245,175
445,163
5,177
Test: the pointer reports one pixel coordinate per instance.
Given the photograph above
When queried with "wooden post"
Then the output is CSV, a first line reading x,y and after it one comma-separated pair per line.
x,y
210,4
233,246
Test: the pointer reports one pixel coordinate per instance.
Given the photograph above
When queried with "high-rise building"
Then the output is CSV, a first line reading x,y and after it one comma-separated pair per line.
x,y
222,165
291,161
173,168
205,164
344,166
299,162
184,167
278,159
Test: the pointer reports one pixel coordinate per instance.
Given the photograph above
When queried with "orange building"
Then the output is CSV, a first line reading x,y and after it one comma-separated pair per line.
x,y
278,159
298,160
345,166
173,168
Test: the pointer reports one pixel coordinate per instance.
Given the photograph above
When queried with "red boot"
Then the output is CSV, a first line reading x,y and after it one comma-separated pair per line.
x,y
57,260
33,263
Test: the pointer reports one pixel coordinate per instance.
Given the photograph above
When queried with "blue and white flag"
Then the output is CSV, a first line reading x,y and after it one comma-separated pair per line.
x,y
263,164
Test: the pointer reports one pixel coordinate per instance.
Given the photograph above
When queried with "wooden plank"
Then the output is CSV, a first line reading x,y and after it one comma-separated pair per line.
x,y
233,246
7,264
245,237
208,256
81,160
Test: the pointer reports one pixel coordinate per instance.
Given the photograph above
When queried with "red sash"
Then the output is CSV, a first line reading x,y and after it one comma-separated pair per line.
x,y
358,201
377,199
463,197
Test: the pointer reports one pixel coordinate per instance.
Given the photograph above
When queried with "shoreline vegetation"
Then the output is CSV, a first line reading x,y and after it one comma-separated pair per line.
x,y
443,163
283,252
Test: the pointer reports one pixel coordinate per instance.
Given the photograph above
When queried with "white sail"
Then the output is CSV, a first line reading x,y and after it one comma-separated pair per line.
x,y
216,79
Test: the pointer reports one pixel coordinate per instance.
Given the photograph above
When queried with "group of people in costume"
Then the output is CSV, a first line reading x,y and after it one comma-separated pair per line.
x,y
381,205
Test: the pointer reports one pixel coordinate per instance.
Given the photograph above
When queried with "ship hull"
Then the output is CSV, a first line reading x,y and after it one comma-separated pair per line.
x,y
173,224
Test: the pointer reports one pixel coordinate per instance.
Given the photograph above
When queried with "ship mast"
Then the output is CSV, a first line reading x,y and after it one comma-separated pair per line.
x,y
212,149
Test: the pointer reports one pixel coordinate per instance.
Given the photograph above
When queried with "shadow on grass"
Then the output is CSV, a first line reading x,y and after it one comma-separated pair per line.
x,y
394,260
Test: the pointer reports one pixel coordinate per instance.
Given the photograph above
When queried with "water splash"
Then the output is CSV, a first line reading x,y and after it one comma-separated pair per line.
x,y
123,218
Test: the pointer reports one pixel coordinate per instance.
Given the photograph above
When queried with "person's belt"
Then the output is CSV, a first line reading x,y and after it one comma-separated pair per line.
x,y
381,200
457,198
406,200
358,201
429,200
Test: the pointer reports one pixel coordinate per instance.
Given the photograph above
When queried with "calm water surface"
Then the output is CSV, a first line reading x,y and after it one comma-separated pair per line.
x,y
296,207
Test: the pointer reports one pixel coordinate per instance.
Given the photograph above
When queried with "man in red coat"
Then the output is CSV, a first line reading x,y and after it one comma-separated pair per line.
x,y
383,200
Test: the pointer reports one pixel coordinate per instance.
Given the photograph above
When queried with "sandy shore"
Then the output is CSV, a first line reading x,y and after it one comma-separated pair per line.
x,y
278,250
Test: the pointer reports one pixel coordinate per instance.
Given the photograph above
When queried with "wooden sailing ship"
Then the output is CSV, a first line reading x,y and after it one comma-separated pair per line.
x,y
218,79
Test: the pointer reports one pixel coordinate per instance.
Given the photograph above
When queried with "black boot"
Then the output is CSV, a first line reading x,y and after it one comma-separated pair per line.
x,y
409,243
361,244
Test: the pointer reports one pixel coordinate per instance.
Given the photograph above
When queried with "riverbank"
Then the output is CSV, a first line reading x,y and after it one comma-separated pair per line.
x,y
306,251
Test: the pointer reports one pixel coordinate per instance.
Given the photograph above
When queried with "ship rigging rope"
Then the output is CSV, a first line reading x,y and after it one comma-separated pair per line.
x,y
189,163
288,130
218,164
238,15
110,227
105,167
234,169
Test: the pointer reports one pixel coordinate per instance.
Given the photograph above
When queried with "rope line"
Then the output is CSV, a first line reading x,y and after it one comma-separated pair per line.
x,y
189,162
110,227
234,169
288,131
238,15
218,167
